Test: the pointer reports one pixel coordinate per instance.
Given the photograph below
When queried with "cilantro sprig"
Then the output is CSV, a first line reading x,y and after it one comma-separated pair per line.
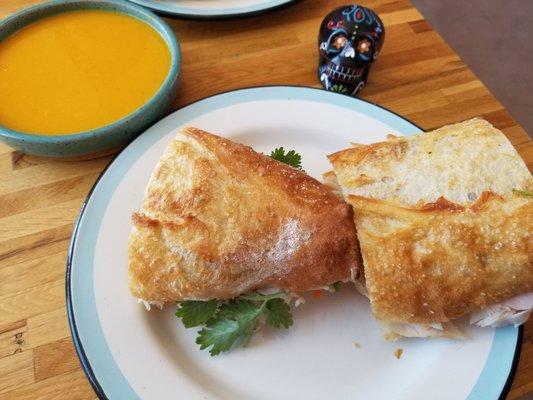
x,y
195,313
290,157
228,323
523,193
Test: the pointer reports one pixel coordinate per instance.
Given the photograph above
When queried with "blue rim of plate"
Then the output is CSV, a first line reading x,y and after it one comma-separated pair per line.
x,y
203,13
92,350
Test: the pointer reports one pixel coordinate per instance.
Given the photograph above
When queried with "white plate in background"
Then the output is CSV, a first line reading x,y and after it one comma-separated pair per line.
x,y
212,8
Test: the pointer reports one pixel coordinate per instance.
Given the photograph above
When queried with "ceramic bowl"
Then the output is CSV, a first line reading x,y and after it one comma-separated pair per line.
x,y
111,137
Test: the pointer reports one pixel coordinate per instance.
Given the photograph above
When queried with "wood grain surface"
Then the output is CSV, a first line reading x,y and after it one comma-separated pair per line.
x,y
417,75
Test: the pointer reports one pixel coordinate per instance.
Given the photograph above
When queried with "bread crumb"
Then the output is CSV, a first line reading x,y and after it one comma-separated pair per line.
x,y
398,353
357,345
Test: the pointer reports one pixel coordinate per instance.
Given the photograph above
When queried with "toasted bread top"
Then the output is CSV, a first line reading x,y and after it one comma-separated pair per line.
x,y
219,220
442,226
435,264
458,162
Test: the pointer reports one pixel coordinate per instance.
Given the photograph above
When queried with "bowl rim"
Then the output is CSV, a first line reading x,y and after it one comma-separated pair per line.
x,y
127,8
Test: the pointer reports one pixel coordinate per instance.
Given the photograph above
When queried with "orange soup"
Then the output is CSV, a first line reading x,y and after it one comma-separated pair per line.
x,y
79,70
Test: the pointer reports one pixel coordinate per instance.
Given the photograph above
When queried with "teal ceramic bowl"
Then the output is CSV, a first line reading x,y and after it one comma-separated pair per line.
x,y
110,137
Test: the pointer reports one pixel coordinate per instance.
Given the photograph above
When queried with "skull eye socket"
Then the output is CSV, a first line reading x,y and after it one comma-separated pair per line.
x,y
364,46
338,42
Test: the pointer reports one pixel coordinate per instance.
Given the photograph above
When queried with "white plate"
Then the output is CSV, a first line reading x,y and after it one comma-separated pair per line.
x,y
212,8
130,353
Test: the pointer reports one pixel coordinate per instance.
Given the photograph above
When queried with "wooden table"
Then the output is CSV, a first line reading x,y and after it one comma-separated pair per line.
x,y
417,75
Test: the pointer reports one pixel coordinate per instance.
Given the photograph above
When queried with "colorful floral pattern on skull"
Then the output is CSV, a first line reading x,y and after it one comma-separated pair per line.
x,y
350,39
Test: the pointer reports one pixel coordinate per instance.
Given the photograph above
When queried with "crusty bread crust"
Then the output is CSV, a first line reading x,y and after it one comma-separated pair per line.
x,y
437,263
458,162
219,220
441,229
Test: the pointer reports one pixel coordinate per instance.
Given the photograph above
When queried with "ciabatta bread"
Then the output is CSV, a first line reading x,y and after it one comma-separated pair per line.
x,y
443,219
219,220
458,162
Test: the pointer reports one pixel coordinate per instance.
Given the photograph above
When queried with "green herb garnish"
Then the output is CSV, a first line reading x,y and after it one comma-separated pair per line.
x,y
226,323
524,193
336,287
291,157
194,313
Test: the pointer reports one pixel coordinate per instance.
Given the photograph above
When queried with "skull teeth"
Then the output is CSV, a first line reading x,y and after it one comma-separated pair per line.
x,y
341,73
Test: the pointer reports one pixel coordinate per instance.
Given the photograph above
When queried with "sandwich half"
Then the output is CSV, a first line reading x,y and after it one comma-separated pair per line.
x,y
219,220
445,225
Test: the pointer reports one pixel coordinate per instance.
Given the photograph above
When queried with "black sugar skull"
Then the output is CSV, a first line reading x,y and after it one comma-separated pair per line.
x,y
349,40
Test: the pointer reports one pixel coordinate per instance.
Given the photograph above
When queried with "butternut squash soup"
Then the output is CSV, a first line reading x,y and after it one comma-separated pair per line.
x,y
79,70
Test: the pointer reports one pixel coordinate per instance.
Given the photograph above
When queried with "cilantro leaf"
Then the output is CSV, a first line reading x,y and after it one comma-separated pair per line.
x,y
524,193
278,313
219,333
246,313
337,286
291,158
243,311
233,322
196,313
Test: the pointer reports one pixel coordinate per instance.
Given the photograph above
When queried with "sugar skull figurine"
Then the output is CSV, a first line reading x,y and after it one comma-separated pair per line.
x,y
349,40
